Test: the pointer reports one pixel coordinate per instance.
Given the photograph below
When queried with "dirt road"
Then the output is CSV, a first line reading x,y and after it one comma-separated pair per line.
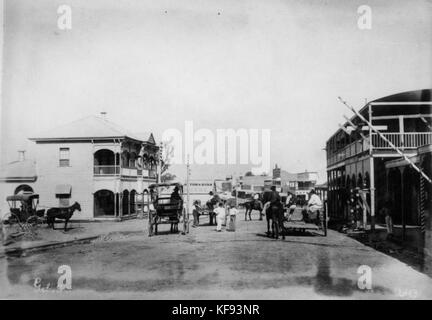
x,y
206,264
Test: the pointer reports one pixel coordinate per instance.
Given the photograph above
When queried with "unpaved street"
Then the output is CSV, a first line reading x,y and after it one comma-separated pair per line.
x,y
206,264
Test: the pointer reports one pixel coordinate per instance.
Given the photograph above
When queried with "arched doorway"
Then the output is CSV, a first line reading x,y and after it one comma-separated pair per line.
x,y
23,188
411,191
125,202
132,201
395,195
360,181
104,203
353,181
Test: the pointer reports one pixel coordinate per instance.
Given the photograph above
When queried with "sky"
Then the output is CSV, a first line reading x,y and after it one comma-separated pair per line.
x,y
152,65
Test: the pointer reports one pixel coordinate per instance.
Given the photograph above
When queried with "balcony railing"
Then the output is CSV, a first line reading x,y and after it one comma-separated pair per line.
x,y
411,140
112,170
106,170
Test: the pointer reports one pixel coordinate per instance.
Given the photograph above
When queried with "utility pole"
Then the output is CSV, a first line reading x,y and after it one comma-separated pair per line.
x,y
186,211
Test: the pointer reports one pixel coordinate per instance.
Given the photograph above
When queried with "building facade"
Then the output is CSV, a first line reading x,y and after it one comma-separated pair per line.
x,y
300,184
96,163
362,159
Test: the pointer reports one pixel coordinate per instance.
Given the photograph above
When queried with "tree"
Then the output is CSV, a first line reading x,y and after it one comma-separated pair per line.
x,y
166,153
167,177
249,174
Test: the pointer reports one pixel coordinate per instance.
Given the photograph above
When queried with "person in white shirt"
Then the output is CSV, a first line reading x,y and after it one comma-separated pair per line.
x,y
220,216
232,215
314,206
290,205
314,202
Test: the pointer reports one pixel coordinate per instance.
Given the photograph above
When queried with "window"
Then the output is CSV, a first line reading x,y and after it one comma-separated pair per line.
x,y
64,157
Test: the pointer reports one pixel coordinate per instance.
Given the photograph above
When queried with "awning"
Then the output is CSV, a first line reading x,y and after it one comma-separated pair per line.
x,y
63,189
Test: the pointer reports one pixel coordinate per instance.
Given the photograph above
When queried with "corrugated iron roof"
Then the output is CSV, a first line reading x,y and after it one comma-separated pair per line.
x,y
92,127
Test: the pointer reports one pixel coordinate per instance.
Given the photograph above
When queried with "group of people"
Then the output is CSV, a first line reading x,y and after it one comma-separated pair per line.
x,y
224,213
314,204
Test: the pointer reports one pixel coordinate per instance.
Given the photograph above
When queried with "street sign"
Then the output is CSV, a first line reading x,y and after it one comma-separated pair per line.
x,y
380,128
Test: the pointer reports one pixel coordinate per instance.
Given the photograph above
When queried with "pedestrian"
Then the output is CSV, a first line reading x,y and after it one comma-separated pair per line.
x,y
196,213
290,205
314,206
211,204
220,215
232,218
384,211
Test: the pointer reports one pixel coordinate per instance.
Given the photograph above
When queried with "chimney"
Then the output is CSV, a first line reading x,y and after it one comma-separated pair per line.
x,y
103,115
21,155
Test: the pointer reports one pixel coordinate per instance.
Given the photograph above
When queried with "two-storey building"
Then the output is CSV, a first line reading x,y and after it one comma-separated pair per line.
x,y
300,184
364,159
95,162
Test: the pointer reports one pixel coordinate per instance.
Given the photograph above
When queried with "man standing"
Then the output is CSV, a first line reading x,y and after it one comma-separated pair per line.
x,y
211,204
196,213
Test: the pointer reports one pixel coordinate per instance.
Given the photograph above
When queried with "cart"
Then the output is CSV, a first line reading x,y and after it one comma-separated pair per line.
x,y
298,223
24,213
168,206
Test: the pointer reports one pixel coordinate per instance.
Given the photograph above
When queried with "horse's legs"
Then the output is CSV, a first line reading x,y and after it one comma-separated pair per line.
x,y
276,228
65,226
246,213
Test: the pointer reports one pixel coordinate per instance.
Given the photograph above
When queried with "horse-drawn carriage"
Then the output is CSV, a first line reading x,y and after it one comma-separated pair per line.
x,y
23,209
23,212
168,201
301,219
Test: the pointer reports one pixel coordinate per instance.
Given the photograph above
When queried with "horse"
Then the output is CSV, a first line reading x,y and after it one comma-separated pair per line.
x,y
275,213
253,205
62,213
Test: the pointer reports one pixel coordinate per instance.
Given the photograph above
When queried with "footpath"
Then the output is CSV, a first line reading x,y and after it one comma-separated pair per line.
x,y
78,232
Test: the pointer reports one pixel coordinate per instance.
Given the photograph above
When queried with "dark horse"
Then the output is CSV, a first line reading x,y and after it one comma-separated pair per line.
x,y
62,213
275,213
253,205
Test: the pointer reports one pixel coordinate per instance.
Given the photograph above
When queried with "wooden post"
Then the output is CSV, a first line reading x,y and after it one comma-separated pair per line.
x,y
402,169
186,212
372,172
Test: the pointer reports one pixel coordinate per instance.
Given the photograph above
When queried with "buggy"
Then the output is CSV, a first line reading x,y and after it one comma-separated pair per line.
x,y
168,206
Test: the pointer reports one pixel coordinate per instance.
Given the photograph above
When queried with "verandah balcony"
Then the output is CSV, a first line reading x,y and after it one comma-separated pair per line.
x,y
106,170
410,140
404,141
107,163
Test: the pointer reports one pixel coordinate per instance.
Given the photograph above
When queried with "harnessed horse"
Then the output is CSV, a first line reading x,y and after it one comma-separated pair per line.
x,y
253,205
62,213
275,213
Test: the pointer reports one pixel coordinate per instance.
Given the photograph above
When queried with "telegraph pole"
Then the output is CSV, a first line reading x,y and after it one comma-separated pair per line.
x,y
186,211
